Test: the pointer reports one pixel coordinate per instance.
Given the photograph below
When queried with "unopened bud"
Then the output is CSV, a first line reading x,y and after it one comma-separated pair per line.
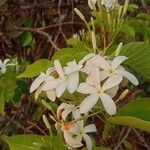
x,y
118,50
46,122
46,105
124,94
79,13
94,41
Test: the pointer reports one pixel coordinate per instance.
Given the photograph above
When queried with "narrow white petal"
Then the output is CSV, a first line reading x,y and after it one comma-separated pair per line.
x,y
65,113
100,62
117,61
87,67
112,82
129,76
90,128
36,83
38,92
73,81
103,75
6,61
76,113
51,84
113,91
3,70
87,57
71,141
88,141
59,68
108,104
1,63
95,75
88,103
60,89
86,88
92,3
51,95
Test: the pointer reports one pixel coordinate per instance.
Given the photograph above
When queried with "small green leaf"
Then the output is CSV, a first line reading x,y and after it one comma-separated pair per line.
x,y
26,39
35,69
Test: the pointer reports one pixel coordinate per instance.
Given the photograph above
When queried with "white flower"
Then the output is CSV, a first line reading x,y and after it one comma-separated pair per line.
x,y
72,73
4,64
68,78
114,68
109,3
97,92
68,128
65,109
82,133
92,3
40,82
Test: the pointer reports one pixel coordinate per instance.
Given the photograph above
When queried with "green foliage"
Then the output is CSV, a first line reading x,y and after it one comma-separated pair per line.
x,y
7,88
34,142
26,39
138,54
35,69
64,55
134,114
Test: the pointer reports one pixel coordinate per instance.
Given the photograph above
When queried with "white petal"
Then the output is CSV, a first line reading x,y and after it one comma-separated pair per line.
x,y
51,84
59,68
88,141
38,92
65,113
95,74
86,89
113,91
129,76
108,104
3,70
51,95
100,62
71,141
88,103
87,57
49,71
36,83
6,61
90,128
103,75
73,81
60,89
111,82
117,61
1,63
87,67
76,113
62,107
92,3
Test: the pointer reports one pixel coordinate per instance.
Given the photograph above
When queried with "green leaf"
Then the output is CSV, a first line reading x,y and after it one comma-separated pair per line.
x,y
69,54
35,69
139,108
34,142
26,39
131,121
138,54
25,142
134,114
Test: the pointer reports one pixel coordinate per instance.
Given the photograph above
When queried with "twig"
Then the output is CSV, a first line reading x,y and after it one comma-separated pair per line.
x,y
139,136
120,143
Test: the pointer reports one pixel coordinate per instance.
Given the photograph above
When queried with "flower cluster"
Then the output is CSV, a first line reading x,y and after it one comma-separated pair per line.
x,y
103,77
